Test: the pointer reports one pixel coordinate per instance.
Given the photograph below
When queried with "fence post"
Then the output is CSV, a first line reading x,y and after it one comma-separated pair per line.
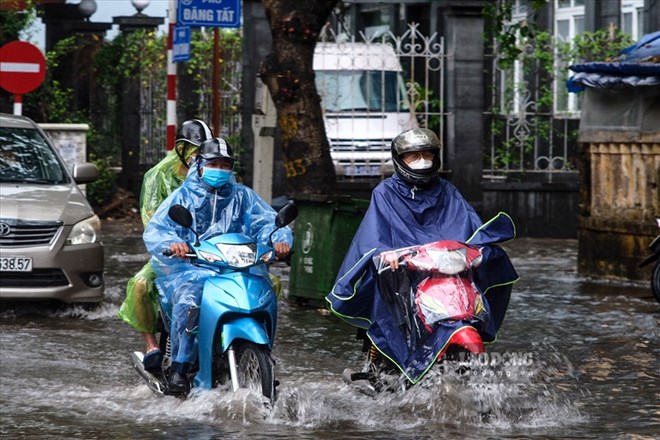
x,y
464,25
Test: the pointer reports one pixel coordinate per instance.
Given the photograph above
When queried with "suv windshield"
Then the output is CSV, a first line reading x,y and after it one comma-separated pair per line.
x,y
361,90
25,156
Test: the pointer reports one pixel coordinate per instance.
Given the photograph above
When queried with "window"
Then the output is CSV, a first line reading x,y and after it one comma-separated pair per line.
x,y
632,18
569,22
26,157
360,90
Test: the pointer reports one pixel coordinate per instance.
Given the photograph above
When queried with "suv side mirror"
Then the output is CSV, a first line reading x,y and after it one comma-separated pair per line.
x,y
84,172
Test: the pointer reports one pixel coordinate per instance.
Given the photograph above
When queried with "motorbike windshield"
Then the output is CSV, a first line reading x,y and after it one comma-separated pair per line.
x,y
432,286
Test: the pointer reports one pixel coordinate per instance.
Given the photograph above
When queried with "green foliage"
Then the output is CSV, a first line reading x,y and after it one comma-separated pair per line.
x,y
539,55
15,23
102,190
601,45
424,103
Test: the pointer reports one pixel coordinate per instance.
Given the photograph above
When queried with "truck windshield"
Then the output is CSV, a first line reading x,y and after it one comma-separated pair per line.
x,y
360,90
26,157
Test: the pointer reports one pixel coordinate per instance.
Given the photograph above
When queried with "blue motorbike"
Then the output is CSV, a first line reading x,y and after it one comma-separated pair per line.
x,y
237,316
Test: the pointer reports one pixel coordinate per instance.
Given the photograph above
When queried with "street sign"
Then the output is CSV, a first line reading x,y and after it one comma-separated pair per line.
x,y
209,13
181,44
22,67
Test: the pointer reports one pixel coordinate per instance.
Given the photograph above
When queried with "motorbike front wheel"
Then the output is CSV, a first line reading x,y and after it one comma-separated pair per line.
x,y
655,281
255,369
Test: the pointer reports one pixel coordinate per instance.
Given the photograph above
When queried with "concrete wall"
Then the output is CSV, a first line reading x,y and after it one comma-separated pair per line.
x,y
620,182
539,209
70,141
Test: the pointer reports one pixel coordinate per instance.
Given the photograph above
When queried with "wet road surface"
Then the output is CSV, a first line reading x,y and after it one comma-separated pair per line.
x,y
574,359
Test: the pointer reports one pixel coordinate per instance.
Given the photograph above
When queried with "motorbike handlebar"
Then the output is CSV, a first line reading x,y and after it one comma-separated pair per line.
x,y
169,253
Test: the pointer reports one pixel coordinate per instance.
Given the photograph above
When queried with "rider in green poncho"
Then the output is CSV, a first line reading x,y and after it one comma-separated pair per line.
x,y
140,308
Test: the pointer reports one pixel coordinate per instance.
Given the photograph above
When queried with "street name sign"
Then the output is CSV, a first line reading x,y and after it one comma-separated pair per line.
x,y
22,67
181,44
209,13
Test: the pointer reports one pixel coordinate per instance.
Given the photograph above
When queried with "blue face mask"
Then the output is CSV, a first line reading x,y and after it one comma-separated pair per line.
x,y
215,177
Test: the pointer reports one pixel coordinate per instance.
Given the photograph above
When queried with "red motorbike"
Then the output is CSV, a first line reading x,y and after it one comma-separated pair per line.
x,y
429,289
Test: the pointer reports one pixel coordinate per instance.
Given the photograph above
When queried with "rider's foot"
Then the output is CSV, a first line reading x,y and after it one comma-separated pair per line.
x,y
152,361
178,384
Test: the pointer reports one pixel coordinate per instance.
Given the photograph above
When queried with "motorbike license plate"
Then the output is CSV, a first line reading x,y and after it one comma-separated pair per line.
x,y
15,264
362,170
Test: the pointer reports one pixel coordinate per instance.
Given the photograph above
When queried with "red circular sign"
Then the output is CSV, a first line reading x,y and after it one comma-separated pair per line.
x,y
22,67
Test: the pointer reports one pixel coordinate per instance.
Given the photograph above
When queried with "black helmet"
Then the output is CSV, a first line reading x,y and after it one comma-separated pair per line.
x,y
189,136
214,149
193,131
416,139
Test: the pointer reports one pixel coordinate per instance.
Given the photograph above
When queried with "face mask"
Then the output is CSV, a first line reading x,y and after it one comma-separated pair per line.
x,y
215,177
420,164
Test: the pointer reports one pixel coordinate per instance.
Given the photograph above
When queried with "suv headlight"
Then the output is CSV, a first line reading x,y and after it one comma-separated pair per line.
x,y
86,231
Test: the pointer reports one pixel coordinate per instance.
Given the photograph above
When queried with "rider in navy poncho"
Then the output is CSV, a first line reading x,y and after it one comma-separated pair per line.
x,y
218,205
416,206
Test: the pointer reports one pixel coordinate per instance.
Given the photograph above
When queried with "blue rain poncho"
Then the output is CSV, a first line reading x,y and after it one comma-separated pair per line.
x,y
401,216
232,208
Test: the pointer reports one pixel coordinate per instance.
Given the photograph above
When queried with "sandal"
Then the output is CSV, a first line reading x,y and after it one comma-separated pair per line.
x,y
152,361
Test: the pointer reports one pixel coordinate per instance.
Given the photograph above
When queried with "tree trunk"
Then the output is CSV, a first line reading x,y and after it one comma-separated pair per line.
x,y
289,75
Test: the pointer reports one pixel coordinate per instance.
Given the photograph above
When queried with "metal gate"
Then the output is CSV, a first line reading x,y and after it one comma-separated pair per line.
x,y
372,88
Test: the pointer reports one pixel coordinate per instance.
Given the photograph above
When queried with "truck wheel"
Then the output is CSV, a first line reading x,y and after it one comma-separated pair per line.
x,y
255,369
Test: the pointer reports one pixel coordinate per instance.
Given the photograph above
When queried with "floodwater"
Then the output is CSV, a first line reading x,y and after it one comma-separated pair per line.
x,y
574,359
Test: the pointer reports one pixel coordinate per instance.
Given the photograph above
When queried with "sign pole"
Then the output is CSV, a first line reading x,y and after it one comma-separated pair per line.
x,y
18,105
215,14
216,81
171,80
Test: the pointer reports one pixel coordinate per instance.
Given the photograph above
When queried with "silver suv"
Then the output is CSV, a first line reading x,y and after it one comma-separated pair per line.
x,y
50,238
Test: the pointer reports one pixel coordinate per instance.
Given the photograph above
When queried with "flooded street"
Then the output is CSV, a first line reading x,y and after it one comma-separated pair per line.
x,y
574,359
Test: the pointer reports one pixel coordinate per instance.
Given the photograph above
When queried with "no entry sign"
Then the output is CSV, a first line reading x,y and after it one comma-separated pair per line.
x,y
22,67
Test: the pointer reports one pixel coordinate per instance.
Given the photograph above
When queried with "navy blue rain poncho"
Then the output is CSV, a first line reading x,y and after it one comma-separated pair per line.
x,y
232,208
401,216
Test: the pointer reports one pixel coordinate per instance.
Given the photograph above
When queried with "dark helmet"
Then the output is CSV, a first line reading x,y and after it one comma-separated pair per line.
x,y
193,131
416,139
189,137
214,149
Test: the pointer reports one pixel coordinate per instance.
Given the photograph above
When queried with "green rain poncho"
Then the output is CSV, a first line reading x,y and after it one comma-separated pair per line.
x,y
140,308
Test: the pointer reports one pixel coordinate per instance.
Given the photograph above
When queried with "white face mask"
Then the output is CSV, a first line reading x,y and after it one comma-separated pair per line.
x,y
420,164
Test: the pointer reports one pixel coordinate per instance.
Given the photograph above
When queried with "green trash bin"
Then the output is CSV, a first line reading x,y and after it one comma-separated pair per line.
x,y
322,232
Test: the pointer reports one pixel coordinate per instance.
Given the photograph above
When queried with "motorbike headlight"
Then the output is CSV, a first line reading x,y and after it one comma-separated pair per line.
x,y
211,258
86,231
239,255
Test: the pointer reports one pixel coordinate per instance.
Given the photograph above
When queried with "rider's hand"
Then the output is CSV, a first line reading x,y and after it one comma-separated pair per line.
x,y
282,250
390,258
179,249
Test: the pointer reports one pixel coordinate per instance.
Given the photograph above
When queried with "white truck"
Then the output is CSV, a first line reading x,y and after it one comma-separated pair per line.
x,y
364,103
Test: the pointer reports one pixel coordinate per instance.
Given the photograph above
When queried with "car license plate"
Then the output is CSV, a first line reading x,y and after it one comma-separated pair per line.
x,y
362,170
15,264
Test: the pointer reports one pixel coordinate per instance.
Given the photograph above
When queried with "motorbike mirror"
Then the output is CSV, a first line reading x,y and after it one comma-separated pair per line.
x,y
286,215
180,215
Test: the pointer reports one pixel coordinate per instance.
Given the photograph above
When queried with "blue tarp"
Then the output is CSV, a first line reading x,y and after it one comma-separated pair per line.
x,y
635,66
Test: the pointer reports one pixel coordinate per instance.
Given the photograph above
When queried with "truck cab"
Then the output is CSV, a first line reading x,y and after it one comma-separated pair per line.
x,y
365,105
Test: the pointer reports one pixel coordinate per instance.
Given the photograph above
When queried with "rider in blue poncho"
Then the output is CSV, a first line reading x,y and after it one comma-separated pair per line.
x,y
413,207
218,205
